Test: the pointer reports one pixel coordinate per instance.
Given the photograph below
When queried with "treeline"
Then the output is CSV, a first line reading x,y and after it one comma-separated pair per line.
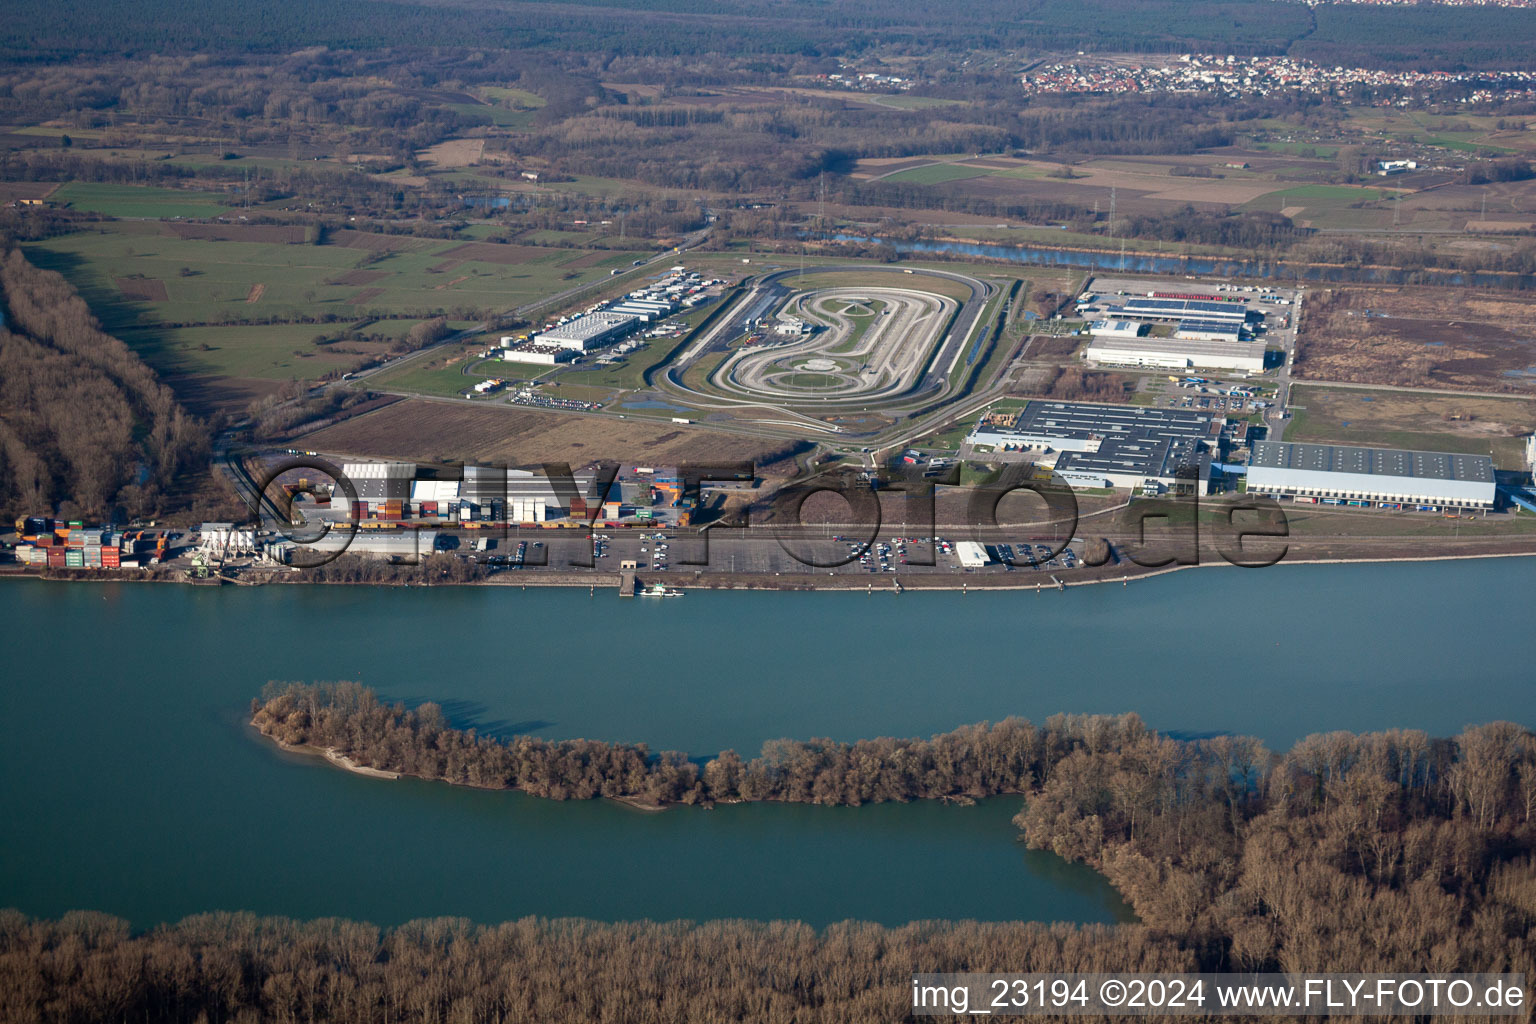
x,y
1384,852
1414,36
88,428
1074,383
89,968
972,762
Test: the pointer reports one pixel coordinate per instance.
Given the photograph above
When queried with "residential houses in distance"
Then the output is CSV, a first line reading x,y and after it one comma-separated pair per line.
x,y
1263,76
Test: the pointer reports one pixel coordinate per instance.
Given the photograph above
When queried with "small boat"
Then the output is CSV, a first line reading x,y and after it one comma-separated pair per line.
x,y
659,590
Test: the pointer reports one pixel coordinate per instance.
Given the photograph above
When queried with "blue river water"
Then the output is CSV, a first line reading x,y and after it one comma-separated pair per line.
x,y
134,786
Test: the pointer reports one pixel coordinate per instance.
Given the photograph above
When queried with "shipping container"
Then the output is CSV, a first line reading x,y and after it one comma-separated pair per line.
x,y
56,557
74,559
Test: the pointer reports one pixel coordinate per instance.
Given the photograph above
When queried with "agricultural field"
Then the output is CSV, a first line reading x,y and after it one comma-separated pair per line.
x,y
933,174
1135,184
270,351
1330,206
430,431
139,202
1407,419
257,303
204,281
1458,133
1419,336
439,381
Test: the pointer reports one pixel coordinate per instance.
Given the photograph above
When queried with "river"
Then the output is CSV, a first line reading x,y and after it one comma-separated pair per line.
x,y
1203,266
133,785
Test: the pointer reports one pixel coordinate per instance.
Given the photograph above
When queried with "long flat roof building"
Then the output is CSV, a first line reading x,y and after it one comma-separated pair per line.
x,y
1183,309
587,331
1390,476
1113,445
1205,350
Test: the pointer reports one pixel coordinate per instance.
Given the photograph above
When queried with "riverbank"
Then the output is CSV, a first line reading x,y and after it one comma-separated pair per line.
x,y
348,725
1196,655
1123,572
331,756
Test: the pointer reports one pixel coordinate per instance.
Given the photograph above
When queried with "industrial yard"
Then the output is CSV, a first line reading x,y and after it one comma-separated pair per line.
x,y
844,368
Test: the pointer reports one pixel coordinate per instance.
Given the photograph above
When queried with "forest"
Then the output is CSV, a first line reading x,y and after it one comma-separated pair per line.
x,y
1391,851
88,427
1401,36
977,761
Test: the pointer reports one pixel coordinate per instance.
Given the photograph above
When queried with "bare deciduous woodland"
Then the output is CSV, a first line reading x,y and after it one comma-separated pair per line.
x,y
1389,851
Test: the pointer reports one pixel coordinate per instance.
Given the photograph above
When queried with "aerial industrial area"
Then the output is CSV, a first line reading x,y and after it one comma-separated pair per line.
x,y
890,370
373,371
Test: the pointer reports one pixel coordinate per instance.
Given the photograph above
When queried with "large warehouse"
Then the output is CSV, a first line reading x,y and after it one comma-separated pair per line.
x,y
588,331
1386,477
1123,446
1202,351
1180,310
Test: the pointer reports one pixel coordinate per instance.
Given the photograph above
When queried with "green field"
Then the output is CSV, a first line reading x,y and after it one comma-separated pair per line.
x,y
933,174
447,382
297,281
137,201
499,116
810,380
1309,150
1318,197
275,352
515,98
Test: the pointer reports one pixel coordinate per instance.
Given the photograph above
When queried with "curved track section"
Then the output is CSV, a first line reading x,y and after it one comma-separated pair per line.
x,y
871,344
877,346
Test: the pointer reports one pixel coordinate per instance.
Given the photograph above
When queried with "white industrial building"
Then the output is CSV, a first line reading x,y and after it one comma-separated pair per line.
x,y
1208,330
588,331
1178,353
444,492
1390,477
1117,328
406,546
375,482
971,554
533,352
